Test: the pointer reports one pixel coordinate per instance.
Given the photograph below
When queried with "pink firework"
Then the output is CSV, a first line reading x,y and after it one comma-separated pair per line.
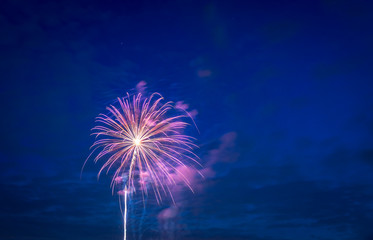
x,y
143,142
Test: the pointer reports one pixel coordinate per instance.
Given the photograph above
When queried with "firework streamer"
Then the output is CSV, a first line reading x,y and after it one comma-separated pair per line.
x,y
143,143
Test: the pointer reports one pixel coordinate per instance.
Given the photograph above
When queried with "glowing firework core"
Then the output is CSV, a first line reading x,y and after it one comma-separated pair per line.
x,y
137,141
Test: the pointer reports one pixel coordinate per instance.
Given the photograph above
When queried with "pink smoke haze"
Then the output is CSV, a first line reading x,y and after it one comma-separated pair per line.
x,y
144,180
184,106
129,190
208,173
169,224
168,213
204,73
183,172
118,180
121,192
194,182
193,113
226,151
141,87
181,105
197,179
144,174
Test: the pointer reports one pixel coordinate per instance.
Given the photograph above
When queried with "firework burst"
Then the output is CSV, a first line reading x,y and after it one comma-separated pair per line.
x,y
144,142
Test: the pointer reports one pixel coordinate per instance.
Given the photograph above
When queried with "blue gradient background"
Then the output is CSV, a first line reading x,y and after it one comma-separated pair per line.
x,y
292,80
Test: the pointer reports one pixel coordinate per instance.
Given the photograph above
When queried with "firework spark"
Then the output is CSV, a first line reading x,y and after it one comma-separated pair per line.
x,y
144,144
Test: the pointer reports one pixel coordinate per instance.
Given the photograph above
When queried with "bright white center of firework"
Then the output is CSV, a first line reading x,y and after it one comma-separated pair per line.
x,y
137,141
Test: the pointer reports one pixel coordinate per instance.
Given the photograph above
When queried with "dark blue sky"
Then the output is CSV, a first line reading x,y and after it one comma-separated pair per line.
x,y
284,96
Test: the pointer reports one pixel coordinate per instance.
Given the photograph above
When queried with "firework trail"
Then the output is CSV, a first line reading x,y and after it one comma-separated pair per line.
x,y
142,142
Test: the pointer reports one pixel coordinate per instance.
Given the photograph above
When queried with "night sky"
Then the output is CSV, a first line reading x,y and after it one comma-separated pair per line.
x,y
283,97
